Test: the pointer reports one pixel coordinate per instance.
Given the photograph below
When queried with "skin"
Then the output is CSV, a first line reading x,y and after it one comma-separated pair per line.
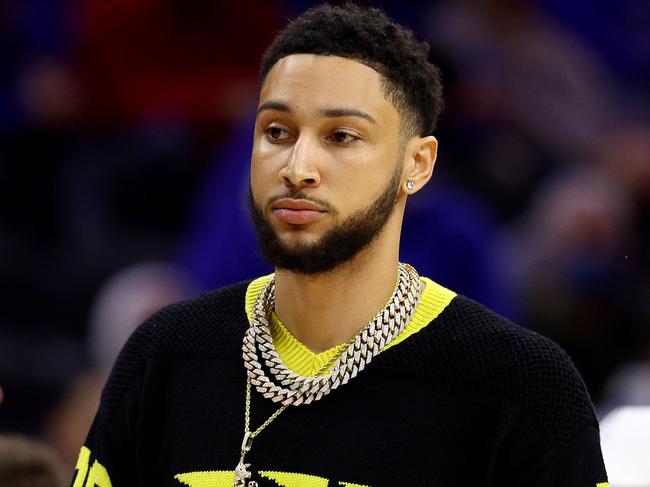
x,y
325,129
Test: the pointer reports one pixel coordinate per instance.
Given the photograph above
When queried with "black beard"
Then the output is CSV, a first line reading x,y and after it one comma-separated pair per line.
x,y
338,245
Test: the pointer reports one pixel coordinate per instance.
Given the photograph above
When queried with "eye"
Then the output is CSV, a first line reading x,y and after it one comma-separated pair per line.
x,y
276,134
343,137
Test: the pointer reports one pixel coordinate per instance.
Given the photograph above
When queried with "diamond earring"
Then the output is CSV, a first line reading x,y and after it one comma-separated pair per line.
x,y
410,185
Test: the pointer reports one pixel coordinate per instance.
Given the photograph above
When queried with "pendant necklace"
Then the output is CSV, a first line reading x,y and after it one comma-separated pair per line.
x,y
242,472
290,388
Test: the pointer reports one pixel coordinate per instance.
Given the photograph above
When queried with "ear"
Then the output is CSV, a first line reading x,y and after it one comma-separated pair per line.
x,y
419,159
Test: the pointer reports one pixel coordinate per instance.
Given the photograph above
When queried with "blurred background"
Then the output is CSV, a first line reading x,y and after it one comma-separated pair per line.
x,y
125,132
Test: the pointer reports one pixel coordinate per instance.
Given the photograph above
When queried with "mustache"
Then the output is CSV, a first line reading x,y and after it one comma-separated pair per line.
x,y
302,196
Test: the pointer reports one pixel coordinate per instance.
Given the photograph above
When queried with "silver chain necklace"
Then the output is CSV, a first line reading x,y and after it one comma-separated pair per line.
x,y
289,388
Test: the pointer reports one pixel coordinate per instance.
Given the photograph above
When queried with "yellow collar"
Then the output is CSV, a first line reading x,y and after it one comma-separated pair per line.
x,y
297,357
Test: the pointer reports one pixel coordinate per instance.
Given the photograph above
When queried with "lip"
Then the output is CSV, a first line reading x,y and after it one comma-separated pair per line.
x,y
297,212
291,204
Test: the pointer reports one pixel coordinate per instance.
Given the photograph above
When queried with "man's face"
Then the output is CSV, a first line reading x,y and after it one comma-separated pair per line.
x,y
326,162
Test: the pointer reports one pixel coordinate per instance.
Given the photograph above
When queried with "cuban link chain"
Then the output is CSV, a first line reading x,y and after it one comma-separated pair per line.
x,y
294,389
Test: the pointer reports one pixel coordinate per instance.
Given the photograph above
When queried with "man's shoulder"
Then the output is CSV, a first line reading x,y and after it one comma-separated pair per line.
x,y
210,324
217,304
470,344
468,326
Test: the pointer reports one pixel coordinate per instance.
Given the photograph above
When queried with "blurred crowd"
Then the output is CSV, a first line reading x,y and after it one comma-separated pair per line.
x,y
125,131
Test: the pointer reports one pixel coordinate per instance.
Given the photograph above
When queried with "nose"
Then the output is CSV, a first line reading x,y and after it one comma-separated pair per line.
x,y
300,170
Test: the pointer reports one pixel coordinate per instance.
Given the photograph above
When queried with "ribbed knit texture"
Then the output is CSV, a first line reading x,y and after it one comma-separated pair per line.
x,y
467,399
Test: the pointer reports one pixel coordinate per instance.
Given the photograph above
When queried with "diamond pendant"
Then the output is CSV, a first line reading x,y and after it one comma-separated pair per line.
x,y
242,472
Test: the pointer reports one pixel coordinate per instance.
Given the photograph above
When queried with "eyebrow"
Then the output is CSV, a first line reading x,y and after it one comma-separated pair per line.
x,y
328,112
273,105
346,112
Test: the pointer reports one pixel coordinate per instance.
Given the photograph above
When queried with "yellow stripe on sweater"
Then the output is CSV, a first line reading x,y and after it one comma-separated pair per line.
x,y
297,357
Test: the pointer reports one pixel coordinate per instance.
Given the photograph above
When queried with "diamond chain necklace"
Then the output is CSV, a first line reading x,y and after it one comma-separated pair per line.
x,y
294,389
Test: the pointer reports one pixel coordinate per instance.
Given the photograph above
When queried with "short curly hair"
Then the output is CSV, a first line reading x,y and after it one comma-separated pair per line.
x,y
368,36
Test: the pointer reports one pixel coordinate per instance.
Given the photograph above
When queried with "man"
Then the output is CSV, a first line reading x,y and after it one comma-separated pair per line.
x,y
356,371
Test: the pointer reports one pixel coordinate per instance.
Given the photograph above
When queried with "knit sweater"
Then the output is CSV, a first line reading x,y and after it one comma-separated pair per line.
x,y
467,399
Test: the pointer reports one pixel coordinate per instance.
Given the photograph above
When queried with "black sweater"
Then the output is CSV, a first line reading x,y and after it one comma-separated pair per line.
x,y
470,400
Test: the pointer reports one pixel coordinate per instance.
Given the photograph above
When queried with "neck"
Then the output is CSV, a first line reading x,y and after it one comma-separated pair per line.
x,y
327,309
